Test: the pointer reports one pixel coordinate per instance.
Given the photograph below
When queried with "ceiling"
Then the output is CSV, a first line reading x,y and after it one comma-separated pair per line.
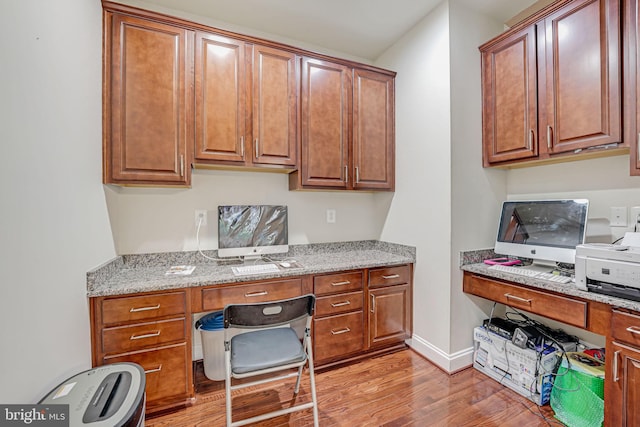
x,y
362,28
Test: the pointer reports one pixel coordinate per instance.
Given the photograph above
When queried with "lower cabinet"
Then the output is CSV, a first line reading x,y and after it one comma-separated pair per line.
x,y
622,393
152,330
361,312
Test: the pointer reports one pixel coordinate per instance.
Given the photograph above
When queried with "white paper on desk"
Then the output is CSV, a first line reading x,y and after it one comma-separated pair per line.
x,y
631,239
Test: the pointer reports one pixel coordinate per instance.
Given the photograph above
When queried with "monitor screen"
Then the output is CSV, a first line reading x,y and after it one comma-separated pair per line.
x,y
252,230
543,230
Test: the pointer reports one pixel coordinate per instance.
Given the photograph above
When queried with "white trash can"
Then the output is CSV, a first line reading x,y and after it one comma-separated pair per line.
x,y
211,327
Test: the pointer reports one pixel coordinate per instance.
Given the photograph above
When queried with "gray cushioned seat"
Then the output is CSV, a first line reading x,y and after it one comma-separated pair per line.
x,y
252,351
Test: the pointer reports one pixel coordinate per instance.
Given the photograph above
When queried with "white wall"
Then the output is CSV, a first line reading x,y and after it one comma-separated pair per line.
x,y
54,225
162,220
420,214
476,192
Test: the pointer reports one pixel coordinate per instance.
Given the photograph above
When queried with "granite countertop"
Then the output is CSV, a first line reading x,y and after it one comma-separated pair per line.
x,y
129,274
471,261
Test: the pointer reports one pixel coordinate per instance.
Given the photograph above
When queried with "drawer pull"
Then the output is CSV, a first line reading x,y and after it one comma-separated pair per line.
x,y
633,330
340,304
256,294
373,304
509,296
615,366
149,335
340,331
346,282
152,307
392,276
151,371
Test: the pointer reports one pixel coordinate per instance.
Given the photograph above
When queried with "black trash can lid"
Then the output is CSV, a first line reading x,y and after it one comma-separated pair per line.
x,y
211,322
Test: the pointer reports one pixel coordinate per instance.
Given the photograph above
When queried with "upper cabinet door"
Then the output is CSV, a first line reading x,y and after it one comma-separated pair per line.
x,y
326,107
580,105
148,102
373,130
275,106
220,98
509,96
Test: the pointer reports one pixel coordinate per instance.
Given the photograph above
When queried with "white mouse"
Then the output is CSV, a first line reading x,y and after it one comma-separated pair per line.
x,y
285,264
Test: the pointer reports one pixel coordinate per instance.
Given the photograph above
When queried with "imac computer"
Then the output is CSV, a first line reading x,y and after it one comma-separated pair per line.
x,y
251,231
545,231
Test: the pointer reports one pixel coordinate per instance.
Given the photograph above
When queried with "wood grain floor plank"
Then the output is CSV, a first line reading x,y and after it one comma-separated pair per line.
x,y
395,390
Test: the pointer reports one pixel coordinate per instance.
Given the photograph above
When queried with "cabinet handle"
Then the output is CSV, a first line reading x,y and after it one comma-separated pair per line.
x,y
638,148
549,135
153,307
346,174
373,304
357,175
532,137
346,282
509,296
340,331
242,147
615,366
340,304
391,276
634,330
255,148
149,335
151,371
181,164
255,294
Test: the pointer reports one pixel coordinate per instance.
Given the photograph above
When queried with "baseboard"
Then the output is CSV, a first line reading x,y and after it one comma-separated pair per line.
x,y
447,362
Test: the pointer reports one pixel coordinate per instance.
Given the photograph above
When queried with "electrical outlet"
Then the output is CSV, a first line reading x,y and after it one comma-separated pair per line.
x,y
201,215
618,217
331,216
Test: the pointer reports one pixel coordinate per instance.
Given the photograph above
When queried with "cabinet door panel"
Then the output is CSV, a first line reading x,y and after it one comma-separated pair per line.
x,y
338,336
220,98
389,314
623,386
275,102
326,106
373,130
509,111
150,98
582,90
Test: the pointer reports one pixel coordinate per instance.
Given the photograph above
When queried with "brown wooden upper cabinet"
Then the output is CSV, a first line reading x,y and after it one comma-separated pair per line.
x,y
178,93
147,108
552,85
246,103
631,40
347,128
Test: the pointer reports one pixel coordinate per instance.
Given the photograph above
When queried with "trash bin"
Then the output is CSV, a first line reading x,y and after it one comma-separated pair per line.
x,y
211,327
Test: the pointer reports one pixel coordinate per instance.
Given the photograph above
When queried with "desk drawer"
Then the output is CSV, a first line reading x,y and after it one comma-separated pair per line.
x,y
165,369
625,327
131,309
337,336
389,276
217,298
341,282
562,309
122,339
341,303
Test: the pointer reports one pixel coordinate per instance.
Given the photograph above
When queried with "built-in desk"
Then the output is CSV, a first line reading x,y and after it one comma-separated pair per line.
x,y
615,318
139,314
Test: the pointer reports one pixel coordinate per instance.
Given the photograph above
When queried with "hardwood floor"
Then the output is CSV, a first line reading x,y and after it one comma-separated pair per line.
x,y
399,389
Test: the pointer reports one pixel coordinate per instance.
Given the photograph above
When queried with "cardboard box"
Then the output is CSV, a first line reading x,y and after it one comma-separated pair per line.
x,y
525,371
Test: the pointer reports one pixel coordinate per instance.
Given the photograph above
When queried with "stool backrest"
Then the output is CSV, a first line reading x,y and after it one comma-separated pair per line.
x,y
272,313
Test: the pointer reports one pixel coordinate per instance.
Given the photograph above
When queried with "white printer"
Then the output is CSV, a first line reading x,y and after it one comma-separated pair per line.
x,y
610,269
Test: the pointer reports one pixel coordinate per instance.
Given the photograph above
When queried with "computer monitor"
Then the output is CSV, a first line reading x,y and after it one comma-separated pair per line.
x,y
251,231
546,231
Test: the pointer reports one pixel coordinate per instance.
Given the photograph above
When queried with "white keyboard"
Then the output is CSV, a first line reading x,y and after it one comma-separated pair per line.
x,y
531,273
244,270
